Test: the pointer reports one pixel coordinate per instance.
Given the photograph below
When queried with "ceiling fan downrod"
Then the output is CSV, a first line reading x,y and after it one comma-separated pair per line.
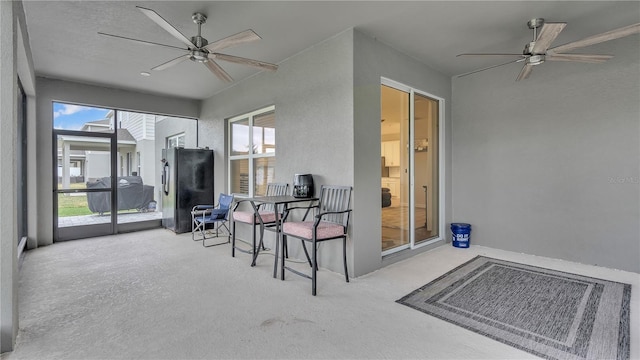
x,y
534,59
197,54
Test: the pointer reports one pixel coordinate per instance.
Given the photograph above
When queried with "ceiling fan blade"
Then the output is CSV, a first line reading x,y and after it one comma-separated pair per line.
x,y
140,41
245,61
170,63
218,71
596,39
165,25
525,72
485,54
585,58
548,33
494,66
236,39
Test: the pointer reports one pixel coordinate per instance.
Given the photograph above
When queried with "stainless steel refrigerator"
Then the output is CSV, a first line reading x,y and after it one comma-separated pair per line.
x,y
187,180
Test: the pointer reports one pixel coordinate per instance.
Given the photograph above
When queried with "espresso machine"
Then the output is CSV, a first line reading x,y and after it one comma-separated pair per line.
x,y
303,185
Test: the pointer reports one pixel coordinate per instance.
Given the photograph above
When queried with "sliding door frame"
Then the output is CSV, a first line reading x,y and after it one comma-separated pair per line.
x,y
411,168
84,231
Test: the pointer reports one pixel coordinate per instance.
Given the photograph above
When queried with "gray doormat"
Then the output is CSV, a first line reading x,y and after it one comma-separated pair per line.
x,y
551,314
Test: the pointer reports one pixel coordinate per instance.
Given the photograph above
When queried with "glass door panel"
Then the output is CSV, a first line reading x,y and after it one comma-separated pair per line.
x,y
425,186
394,137
83,186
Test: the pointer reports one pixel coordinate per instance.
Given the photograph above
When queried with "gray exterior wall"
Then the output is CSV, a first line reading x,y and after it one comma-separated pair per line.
x,y
49,90
16,64
312,92
327,102
373,60
550,165
8,186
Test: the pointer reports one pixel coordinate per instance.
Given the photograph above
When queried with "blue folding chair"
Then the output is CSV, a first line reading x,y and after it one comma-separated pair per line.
x,y
214,216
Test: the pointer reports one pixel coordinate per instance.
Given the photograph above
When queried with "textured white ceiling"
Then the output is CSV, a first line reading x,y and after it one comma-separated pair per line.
x,y
66,45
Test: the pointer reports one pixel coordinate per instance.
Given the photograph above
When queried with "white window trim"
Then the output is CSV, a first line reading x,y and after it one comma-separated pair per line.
x,y
250,156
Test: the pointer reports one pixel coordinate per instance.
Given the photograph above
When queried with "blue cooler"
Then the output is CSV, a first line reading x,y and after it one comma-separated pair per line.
x,y
460,235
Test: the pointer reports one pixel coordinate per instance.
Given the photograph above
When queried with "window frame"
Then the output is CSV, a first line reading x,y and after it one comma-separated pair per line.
x,y
250,156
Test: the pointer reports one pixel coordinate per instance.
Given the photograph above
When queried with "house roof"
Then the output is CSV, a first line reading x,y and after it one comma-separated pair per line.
x,y
106,123
65,42
125,136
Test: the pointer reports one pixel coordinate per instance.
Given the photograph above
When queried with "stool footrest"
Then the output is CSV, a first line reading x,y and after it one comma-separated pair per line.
x,y
297,272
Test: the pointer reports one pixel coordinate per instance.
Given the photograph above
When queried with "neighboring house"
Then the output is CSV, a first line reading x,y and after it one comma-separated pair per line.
x,y
141,160
82,159
99,125
137,154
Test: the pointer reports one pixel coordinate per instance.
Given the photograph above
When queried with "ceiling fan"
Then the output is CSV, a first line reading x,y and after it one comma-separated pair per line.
x,y
537,51
199,49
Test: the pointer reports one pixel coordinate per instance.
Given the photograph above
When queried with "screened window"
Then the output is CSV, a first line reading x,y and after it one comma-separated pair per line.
x,y
175,141
252,152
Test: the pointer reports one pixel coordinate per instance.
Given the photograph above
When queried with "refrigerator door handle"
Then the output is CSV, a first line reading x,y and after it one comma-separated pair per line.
x,y
165,178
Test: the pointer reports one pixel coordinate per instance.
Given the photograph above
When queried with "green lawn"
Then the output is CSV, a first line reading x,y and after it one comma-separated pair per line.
x,y
72,205
76,204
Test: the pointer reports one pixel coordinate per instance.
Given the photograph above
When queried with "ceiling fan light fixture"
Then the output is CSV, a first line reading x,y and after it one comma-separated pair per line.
x,y
199,56
536,59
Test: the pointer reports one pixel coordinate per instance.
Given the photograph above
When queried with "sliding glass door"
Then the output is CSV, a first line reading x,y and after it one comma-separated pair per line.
x,y
106,177
410,167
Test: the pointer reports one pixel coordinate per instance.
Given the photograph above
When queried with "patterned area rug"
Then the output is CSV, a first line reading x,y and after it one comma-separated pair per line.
x,y
551,314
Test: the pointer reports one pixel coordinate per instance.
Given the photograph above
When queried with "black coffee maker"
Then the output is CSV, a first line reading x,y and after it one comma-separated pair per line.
x,y
303,185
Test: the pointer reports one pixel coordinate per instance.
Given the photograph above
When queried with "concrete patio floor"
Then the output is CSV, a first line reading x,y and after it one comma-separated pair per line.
x,y
157,295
